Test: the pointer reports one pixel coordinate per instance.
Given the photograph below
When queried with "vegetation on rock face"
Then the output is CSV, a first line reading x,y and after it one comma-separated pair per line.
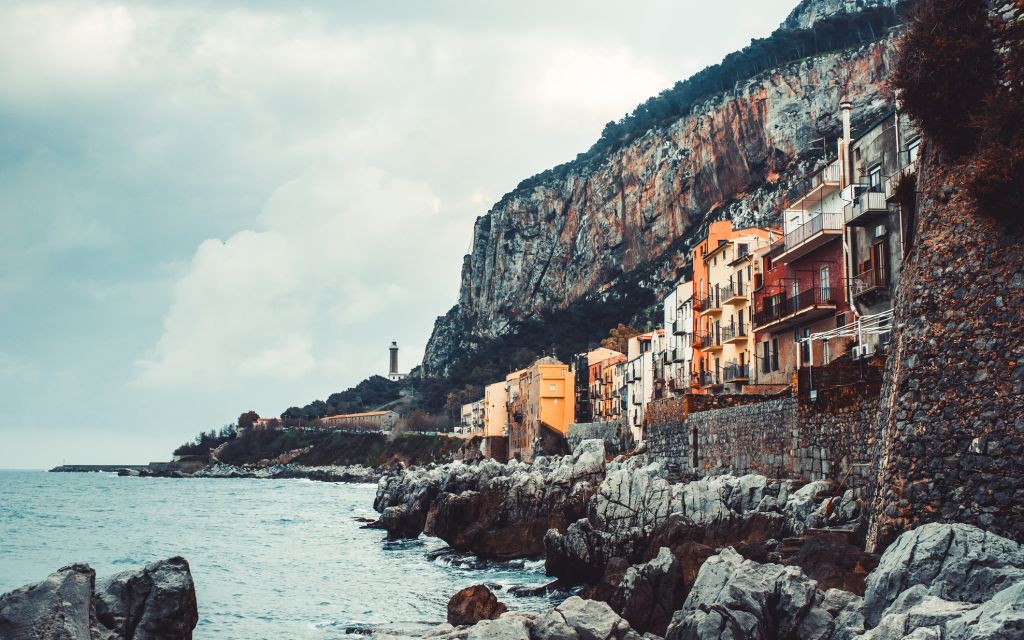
x,y
206,442
841,31
969,103
368,395
618,338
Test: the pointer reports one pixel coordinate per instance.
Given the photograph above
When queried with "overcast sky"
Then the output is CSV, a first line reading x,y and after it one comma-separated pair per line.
x,y
209,207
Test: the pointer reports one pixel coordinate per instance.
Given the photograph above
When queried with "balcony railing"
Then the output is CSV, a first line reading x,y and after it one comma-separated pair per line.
x,y
679,327
679,354
870,281
711,340
867,207
733,332
709,379
735,372
828,175
820,226
775,308
733,291
711,302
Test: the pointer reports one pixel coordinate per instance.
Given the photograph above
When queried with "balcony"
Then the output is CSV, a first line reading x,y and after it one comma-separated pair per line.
x,y
820,185
907,168
732,334
709,379
819,230
712,342
870,284
735,293
711,303
679,354
869,207
679,327
736,372
779,312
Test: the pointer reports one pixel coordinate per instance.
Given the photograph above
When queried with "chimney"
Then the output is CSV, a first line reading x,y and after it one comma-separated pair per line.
x,y
845,108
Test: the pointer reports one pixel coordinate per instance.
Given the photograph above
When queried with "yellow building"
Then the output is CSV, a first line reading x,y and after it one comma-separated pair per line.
x,y
542,405
495,444
725,320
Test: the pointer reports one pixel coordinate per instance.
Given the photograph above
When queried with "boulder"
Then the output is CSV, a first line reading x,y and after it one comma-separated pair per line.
x,y
157,602
737,599
473,604
57,608
648,594
510,626
955,562
579,619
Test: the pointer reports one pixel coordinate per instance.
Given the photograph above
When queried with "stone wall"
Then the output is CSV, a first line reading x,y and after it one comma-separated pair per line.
x,y
833,437
952,412
617,437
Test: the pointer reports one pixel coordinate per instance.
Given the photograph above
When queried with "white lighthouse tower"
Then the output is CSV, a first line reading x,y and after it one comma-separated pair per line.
x,y
393,373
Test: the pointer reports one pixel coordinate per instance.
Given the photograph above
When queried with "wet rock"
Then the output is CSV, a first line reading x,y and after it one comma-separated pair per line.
x,y
157,602
473,604
488,508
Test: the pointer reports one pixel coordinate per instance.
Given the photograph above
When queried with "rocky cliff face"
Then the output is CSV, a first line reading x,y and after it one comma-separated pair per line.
x,y
576,231
809,12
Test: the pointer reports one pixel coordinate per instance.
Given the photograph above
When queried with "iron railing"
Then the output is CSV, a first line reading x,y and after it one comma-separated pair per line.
x,y
870,280
770,309
735,371
867,202
729,332
818,224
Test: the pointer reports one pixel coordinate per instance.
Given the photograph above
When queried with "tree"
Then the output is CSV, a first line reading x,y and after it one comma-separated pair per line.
x,y
247,420
618,338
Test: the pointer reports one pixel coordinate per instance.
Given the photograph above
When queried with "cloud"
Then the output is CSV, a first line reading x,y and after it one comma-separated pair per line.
x,y
338,252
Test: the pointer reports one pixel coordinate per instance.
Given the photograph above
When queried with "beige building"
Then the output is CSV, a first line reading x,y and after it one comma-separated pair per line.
x,y
495,444
725,321
472,418
382,421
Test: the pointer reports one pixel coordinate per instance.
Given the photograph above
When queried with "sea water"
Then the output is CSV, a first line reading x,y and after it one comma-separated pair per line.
x,y
270,558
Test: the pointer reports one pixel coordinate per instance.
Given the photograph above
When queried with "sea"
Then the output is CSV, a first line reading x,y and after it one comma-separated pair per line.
x,y
270,558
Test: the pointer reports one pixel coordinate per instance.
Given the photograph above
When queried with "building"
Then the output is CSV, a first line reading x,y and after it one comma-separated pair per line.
x,y
583,369
678,327
379,421
393,373
803,287
495,417
605,377
542,405
472,418
729,271
878,213
641,378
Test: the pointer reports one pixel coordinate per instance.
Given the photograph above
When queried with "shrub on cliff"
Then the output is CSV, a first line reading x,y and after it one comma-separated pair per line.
x,y
968,102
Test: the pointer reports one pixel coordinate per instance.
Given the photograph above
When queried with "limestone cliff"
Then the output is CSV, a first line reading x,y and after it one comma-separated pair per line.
x,y
574,231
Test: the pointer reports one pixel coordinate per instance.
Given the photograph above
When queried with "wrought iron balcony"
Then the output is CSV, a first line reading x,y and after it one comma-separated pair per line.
x,y
779,312
709,379
734,333
679,327
734,372
711,303
870,282
734,292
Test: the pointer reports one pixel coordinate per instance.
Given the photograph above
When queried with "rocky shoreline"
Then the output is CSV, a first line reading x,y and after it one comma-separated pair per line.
x,y
332,473
718,557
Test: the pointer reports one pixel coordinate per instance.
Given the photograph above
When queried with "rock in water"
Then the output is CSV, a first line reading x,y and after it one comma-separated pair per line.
x,y
579,619
56,608
157,602
473,604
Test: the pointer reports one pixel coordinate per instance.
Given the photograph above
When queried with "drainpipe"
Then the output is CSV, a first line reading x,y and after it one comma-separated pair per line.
x,y
846,179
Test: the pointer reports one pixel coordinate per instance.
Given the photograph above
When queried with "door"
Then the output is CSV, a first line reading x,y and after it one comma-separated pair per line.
x,y
826,291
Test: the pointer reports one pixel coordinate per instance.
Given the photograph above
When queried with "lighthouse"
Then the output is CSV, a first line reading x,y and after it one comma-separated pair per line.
x,y
393,373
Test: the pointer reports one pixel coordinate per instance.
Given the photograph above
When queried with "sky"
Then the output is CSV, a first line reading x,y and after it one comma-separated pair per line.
x,y
212,207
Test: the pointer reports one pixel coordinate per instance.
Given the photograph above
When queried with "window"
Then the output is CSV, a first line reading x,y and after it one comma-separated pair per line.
x,y
768,263
766,360
875,178
825,358
913,147
805,346
775,354
826,293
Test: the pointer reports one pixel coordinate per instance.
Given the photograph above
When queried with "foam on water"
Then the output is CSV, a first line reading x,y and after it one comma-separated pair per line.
x,y
270,558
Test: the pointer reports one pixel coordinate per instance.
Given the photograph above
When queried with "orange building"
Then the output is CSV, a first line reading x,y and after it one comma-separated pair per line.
x,y
542,405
